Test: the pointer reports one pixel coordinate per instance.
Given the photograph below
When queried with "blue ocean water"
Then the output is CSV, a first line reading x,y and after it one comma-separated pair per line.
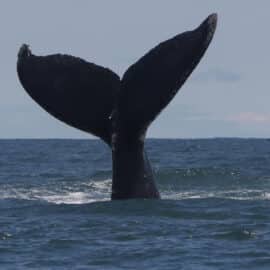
x,y
56,213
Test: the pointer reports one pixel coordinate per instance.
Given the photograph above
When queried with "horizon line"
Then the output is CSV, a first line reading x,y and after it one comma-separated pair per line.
x,y
150,138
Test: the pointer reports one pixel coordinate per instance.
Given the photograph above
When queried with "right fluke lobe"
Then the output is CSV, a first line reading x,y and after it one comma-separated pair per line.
x,y
150,84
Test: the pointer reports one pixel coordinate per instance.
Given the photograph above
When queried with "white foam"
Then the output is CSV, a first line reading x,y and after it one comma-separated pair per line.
x,y
245,194
72,197
89,192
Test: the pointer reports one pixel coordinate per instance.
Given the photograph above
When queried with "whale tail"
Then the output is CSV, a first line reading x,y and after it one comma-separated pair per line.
x,y
95,100
146,89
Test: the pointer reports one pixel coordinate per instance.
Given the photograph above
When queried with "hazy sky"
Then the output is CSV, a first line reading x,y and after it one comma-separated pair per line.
x,y
227,95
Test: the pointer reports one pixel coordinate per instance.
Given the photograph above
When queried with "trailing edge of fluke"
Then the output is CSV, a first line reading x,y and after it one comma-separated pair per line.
x,y
119,111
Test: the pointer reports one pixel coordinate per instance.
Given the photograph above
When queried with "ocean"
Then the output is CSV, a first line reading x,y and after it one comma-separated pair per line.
x,y
56,213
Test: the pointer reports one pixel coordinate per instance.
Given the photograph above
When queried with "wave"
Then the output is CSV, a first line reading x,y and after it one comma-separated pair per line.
x,y
173,183
100,191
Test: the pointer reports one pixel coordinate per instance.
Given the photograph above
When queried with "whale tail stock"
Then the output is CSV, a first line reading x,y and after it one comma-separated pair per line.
x,y
95,100
146,88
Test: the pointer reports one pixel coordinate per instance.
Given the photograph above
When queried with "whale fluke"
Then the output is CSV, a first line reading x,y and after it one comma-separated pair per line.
x,y
74,91
150,84
95,100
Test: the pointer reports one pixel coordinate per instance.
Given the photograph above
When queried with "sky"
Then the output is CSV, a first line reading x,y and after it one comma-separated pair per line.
x,y
227,95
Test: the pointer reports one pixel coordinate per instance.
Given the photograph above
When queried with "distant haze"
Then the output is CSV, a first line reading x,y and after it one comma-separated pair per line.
x,y
228,95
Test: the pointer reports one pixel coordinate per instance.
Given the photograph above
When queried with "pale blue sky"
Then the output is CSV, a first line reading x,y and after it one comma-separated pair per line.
x,y
226,96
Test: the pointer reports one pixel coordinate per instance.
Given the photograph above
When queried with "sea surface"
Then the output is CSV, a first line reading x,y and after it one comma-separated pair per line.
x,y
56,213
